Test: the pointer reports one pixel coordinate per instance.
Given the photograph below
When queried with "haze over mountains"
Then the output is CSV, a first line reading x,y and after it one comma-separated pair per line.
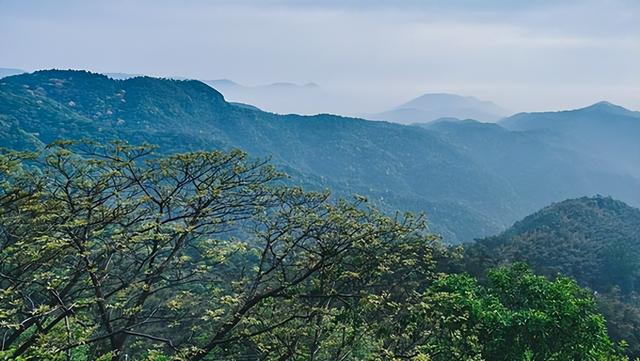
x,y
281,97
310,99
430,107
472,179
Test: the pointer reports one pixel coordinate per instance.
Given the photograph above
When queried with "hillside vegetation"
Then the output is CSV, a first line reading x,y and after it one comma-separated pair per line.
x,y
596,241
605,130
454,179
115,252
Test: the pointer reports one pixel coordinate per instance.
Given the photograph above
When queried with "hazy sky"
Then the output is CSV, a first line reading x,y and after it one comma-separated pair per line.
x,y
524,55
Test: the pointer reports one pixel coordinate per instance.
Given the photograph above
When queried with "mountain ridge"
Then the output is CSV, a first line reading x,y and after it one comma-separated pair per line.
x,y
457,182
189,115
604,129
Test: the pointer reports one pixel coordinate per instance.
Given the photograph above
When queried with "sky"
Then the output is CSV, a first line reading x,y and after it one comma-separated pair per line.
x,y
373,54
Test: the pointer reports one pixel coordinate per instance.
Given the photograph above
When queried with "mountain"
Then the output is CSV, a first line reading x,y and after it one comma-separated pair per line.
x,y
399,166
222,84
429,107
537,165
595,240
280,97
471,179
605,130
5,72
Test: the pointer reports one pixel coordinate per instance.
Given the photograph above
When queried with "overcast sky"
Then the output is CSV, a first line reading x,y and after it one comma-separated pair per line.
x,y
524,55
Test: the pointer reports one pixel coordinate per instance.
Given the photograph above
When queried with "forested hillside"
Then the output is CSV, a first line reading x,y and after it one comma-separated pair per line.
x,y
116,252
312,180
454,179
390,163
154,224
608,131
596,241
538,164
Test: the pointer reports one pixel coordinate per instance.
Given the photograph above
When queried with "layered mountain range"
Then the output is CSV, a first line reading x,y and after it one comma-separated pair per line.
x,y
472,179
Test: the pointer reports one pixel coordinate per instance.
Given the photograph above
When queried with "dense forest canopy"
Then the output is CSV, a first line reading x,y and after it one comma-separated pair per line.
x,y
115,252
595,240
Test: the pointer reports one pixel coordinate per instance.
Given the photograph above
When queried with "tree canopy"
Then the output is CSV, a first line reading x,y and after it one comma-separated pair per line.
x,y
113,252
594,240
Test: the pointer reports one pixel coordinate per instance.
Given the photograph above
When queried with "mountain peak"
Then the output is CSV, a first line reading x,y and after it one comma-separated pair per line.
x,y
596,111
71,86
222,82
432,106
430,99
605,105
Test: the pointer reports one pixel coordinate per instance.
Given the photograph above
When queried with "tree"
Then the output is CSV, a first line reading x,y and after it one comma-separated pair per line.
x,y
516,316
110,250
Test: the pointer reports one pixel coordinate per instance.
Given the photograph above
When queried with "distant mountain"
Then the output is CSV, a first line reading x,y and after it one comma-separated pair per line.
x,y
471,179
605,130
429,107
121,76
221,84
280,97
595,240
538,165
4,72
396,166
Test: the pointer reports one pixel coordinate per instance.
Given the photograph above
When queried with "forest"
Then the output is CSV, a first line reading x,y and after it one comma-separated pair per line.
x,y
112,251
313,180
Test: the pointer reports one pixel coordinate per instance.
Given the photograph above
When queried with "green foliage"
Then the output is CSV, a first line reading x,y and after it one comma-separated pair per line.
x,y
593,240
539,314
111,251
515,316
